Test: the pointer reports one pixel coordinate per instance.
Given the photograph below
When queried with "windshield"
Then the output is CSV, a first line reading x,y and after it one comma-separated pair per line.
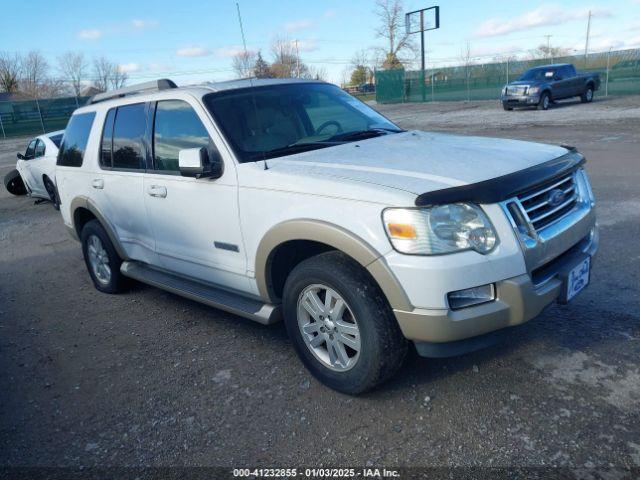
x,y
538,74
278,120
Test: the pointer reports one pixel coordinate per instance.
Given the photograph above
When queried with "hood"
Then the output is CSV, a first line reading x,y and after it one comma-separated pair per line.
x,y
419,162
526,82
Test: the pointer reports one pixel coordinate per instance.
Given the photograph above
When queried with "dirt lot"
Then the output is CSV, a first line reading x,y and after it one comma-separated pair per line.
x,y
149,378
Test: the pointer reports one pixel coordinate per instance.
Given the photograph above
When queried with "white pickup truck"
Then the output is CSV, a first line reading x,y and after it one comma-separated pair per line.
x,y
290,199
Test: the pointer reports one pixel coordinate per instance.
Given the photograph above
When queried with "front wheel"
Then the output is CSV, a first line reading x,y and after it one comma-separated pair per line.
x,y
543,104
506,107
587,96
14,184
340,324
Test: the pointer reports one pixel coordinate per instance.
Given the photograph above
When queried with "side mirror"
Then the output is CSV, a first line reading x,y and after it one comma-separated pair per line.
x,y
20,156
195,162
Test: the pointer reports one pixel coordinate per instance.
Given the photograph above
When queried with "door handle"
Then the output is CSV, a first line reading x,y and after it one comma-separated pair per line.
x,y
98,183
157,191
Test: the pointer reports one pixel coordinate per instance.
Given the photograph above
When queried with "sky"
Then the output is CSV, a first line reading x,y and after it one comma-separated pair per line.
x,y
192,41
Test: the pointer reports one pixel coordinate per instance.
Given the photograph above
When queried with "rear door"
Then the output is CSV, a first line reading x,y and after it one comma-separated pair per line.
x,y
195,221
117,187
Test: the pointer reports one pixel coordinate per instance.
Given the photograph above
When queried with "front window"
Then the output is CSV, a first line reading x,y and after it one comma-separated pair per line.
x,y
278,120
538,74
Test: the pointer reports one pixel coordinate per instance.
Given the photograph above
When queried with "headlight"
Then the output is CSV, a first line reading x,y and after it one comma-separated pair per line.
x,y
439,229
533,90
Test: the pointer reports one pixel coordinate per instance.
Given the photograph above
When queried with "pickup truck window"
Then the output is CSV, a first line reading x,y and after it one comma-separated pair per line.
x,y
278,120
538,74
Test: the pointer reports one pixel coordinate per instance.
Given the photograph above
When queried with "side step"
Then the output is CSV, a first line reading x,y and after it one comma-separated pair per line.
x,y
252,309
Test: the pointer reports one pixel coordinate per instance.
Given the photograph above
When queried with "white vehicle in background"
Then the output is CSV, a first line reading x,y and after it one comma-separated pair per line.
x,y
35,169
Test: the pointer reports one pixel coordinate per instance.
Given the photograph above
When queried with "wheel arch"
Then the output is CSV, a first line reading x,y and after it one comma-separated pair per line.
x,y
302,238
84,210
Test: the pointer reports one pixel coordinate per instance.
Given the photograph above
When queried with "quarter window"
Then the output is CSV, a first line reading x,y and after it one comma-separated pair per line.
x,y
176,127
128,133
74,141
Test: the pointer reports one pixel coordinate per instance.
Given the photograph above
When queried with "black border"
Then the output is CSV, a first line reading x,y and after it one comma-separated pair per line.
x,y
507,186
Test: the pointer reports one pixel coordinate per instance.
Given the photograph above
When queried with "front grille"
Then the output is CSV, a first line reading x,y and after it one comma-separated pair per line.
x,y
516,90
550,201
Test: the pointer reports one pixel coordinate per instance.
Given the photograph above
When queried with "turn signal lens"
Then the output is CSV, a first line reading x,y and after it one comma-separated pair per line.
x,y
400,230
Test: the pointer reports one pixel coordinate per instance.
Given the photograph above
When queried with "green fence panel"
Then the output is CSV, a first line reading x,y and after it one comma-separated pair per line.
x,y
619,72
34,117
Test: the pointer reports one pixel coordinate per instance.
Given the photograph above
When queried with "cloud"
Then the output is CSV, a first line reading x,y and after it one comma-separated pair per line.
x,y
232,50
128,67
142,24
297,25
90,34
543,16
308,45
193,52
333,13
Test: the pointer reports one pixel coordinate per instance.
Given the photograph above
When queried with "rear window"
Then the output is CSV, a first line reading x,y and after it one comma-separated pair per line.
x,y
56,139
74,141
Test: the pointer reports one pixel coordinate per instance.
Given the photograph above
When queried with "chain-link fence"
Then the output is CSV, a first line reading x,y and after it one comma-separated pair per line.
x,y
619,73
34,117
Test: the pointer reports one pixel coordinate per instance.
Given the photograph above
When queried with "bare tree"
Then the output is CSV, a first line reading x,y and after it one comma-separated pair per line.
x,y
286,62
10,70
465,58
73,67
243,64
391,29
35,71
261,68
118,77
102,73
548,51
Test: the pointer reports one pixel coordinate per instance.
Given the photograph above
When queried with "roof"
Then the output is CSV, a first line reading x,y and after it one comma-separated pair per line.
x,y
553,65
253,82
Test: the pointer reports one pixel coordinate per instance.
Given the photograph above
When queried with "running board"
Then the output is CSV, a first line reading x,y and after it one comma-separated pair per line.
x,y
250,308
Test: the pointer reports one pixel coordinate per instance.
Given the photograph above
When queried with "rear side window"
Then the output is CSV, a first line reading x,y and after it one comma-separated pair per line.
x,y
40,149
107,140
176,127
129,129
74,141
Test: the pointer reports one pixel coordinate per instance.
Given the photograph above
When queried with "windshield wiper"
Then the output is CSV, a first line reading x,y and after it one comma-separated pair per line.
x,y
294,148
363,134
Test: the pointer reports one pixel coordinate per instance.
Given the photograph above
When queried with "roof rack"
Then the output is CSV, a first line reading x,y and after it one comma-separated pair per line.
x,y
162,84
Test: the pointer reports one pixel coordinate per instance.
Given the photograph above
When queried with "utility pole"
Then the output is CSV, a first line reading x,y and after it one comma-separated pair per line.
x,y
586,43
548,37
297,59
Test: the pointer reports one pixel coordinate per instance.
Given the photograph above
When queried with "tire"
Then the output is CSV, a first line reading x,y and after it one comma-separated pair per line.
x,y
99,254
382,347
506,107
53,194
14,184
587,96
544,102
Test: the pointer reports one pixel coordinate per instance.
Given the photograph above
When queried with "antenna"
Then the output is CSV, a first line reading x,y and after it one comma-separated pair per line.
x,y
253,94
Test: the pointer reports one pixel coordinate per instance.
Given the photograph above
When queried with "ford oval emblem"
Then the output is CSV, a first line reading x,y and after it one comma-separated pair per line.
x,y
556,197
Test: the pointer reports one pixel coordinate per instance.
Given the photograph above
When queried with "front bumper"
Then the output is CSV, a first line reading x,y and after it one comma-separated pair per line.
x,y
518,300
520,100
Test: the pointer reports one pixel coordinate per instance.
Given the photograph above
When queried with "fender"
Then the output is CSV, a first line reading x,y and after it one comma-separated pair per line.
x,y
85,202
336,237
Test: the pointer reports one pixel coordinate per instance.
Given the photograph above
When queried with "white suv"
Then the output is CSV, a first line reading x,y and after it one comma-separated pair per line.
x,y
291,199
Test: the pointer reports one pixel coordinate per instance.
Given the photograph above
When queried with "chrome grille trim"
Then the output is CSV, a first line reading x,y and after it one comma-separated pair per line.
x,y
539,213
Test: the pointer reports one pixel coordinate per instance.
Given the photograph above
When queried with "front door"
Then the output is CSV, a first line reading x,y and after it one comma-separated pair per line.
x,y
24,166
195,221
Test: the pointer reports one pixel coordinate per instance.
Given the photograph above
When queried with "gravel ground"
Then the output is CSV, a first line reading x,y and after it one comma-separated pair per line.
x,y
149,378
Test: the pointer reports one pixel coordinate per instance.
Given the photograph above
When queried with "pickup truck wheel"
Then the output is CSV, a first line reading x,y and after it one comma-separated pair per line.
x,y
101,258
341,326
506,106
51,190
543,104
587,96
14,184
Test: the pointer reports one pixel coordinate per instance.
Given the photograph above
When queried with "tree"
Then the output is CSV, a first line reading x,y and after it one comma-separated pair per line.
x,y
261,68
10,71
35,71
548,51
102,71
361,70
118,77
243,64
391,29
359,75
286,62
465,57
73,67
